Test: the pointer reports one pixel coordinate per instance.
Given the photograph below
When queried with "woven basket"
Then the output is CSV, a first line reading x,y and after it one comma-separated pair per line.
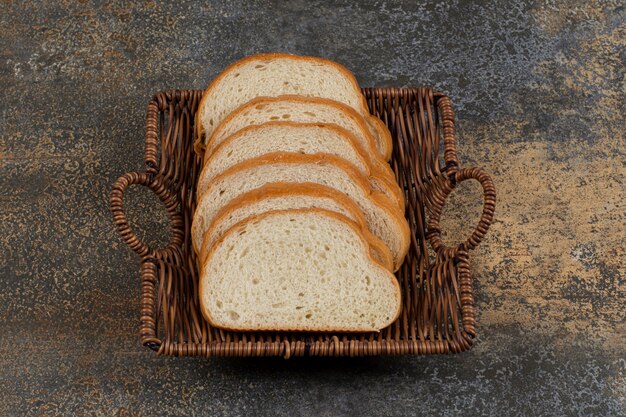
x,y
437,302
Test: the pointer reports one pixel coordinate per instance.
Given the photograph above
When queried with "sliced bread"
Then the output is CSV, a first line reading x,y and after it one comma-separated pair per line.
x,y
304,138
294,270
297,109
277,74
384,219
285,196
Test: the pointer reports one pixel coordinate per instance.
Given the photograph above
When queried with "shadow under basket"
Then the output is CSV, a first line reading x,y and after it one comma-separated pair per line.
x,y
437,297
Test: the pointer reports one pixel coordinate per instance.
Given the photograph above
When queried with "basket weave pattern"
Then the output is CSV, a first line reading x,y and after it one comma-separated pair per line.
x,y
437,302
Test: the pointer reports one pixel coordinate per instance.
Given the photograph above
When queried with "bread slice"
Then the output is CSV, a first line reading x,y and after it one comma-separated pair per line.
x,y
298,109
307,270
285,196
276,74
305,138
384,219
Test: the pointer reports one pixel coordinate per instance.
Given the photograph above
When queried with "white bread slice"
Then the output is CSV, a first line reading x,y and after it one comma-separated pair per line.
x,y
307,269
303,110
297,109
384,219
286,196
277,74
305,138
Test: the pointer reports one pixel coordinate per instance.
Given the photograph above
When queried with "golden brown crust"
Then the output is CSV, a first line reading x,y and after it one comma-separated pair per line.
x,y
384,167
198,143
390,184
355,227
379,247
384,136
379,198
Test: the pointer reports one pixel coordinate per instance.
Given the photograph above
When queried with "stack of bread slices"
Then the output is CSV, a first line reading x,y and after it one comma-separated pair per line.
x,y
299,223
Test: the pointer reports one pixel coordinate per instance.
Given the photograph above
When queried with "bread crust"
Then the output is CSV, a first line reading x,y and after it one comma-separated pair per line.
x,y
281,189
385,136
373,121
374,170
379,247
377,197
239,226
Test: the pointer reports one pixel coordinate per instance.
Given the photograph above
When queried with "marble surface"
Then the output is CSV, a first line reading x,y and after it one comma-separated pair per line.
x,y
539,93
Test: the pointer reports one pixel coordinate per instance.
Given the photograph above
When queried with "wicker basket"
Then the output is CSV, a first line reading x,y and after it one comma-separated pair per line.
x,y
438,308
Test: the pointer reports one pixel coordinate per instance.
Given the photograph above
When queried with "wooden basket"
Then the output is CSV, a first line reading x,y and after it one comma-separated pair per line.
x,y
437,302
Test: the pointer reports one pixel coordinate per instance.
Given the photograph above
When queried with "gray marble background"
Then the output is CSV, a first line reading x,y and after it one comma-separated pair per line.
x,y
539,93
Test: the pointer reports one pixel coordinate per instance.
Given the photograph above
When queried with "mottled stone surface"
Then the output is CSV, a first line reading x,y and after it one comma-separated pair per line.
x,y
539,92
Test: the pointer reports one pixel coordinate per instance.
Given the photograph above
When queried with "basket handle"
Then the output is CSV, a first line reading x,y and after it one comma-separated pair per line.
x,y
158,186
449,133
489,205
